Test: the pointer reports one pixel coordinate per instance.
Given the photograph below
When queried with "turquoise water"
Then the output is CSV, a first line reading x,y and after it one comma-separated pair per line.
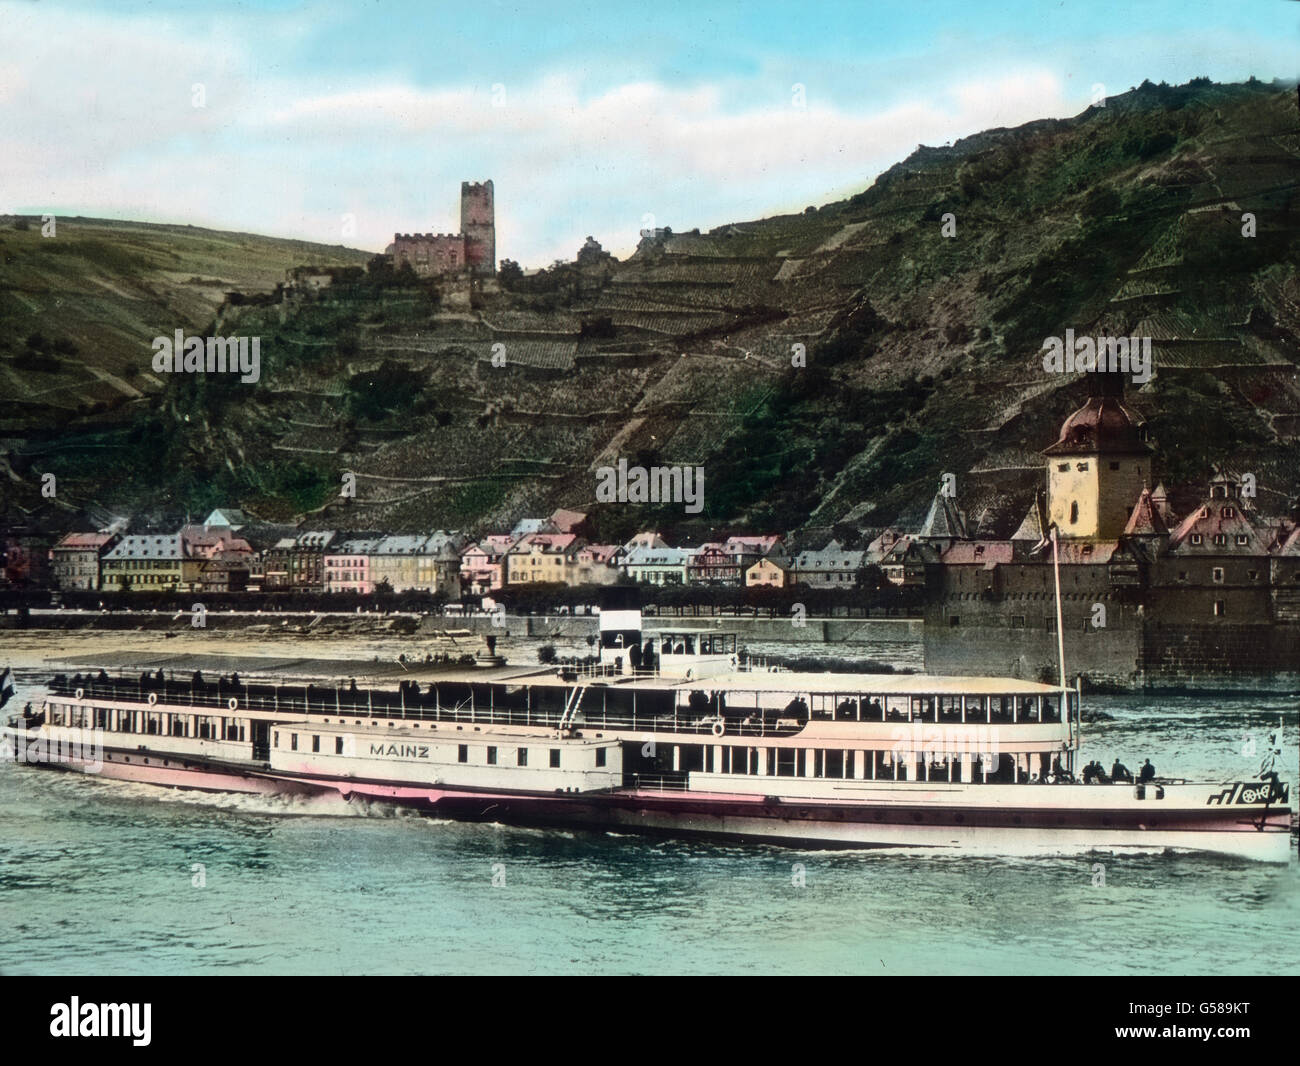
x,y
97,877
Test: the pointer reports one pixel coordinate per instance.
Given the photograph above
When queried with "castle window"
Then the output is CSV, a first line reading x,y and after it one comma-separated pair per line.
x,y
1074,512
1242,539
1017,621
1082,467
1217,575
954,620
1228,512
1197,538
1114,466
1219,492
1219,609
1253,575
1220,538
1063,468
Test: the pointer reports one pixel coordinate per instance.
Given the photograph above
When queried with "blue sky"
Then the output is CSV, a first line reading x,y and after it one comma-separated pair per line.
x,y
345,122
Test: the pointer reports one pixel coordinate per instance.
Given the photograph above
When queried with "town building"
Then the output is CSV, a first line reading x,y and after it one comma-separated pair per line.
x,y
771,571
658,565
296,563
833,567
542,558
347,565
75,560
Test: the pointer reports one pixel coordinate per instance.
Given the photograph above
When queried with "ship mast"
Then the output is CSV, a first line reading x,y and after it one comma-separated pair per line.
x,y
1060,643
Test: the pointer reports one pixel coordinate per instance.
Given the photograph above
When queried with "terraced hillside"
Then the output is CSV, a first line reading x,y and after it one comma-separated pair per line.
x,y
922,350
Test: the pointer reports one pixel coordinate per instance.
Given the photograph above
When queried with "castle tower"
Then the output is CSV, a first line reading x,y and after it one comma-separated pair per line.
x,y
478,226
1098,468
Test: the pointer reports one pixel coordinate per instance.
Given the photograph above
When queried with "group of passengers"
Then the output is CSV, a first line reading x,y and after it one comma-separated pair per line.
x,y
1095,772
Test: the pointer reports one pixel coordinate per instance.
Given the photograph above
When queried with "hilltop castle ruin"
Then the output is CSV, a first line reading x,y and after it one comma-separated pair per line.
x,y
471,251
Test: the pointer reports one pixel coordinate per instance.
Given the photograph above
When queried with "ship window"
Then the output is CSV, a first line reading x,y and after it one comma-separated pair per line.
x,y
462,753
835,763
555,758
338,745
293,741
600,756
784,762
491,756
315,743
521,757
277,738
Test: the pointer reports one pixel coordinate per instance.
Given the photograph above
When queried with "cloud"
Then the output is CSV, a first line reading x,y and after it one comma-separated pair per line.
x,y
97,117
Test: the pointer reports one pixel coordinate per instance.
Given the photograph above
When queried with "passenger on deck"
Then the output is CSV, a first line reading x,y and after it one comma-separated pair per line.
x,y
234,679
844,712
103,677
1120,772
875,712
1147,773
197,680
160,677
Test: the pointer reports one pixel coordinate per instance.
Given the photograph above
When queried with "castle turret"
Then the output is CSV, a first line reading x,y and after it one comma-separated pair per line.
x,y
478,226
1099,466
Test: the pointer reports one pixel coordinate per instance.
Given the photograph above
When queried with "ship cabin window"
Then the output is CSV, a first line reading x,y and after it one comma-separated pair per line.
x,y
555,758
896,708
950,708
923,708
462,753
975,709
785,759
315,743
293,741
600,756
338,745
277,738
491,756
521,757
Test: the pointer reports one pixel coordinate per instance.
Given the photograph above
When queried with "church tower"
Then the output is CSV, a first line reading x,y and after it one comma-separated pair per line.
x,y
1097,469
478,227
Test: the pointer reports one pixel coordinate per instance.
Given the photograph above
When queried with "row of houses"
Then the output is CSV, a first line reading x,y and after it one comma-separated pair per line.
x,y
227,553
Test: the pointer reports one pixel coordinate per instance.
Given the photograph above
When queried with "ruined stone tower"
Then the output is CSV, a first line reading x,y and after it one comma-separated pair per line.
x,y
478,226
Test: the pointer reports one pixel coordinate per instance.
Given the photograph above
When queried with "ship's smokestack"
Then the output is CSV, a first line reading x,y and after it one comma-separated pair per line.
x,y
620,626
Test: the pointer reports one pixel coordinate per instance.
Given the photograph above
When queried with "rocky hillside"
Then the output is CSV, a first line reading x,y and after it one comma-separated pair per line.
x,y
922,350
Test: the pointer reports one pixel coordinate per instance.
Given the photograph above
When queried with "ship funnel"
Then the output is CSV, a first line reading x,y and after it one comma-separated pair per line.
x,y
620,627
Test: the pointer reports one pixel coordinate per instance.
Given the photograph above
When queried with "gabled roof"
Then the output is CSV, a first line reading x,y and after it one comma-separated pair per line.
x,y
1034,526
1225,518
566,521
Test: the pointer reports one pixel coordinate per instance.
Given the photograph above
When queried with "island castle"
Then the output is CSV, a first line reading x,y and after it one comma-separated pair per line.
x,y
1150,598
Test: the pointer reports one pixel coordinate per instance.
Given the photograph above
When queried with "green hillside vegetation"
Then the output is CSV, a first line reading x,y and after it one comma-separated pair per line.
x,y
923,351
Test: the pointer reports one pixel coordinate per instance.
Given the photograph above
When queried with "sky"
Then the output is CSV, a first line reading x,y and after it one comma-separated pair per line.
x,y
346,122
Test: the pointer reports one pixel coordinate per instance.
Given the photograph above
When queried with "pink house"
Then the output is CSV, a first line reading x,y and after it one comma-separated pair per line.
x,y
482,565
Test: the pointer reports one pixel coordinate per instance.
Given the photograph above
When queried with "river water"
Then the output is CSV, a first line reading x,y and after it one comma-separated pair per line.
x,y
104,877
